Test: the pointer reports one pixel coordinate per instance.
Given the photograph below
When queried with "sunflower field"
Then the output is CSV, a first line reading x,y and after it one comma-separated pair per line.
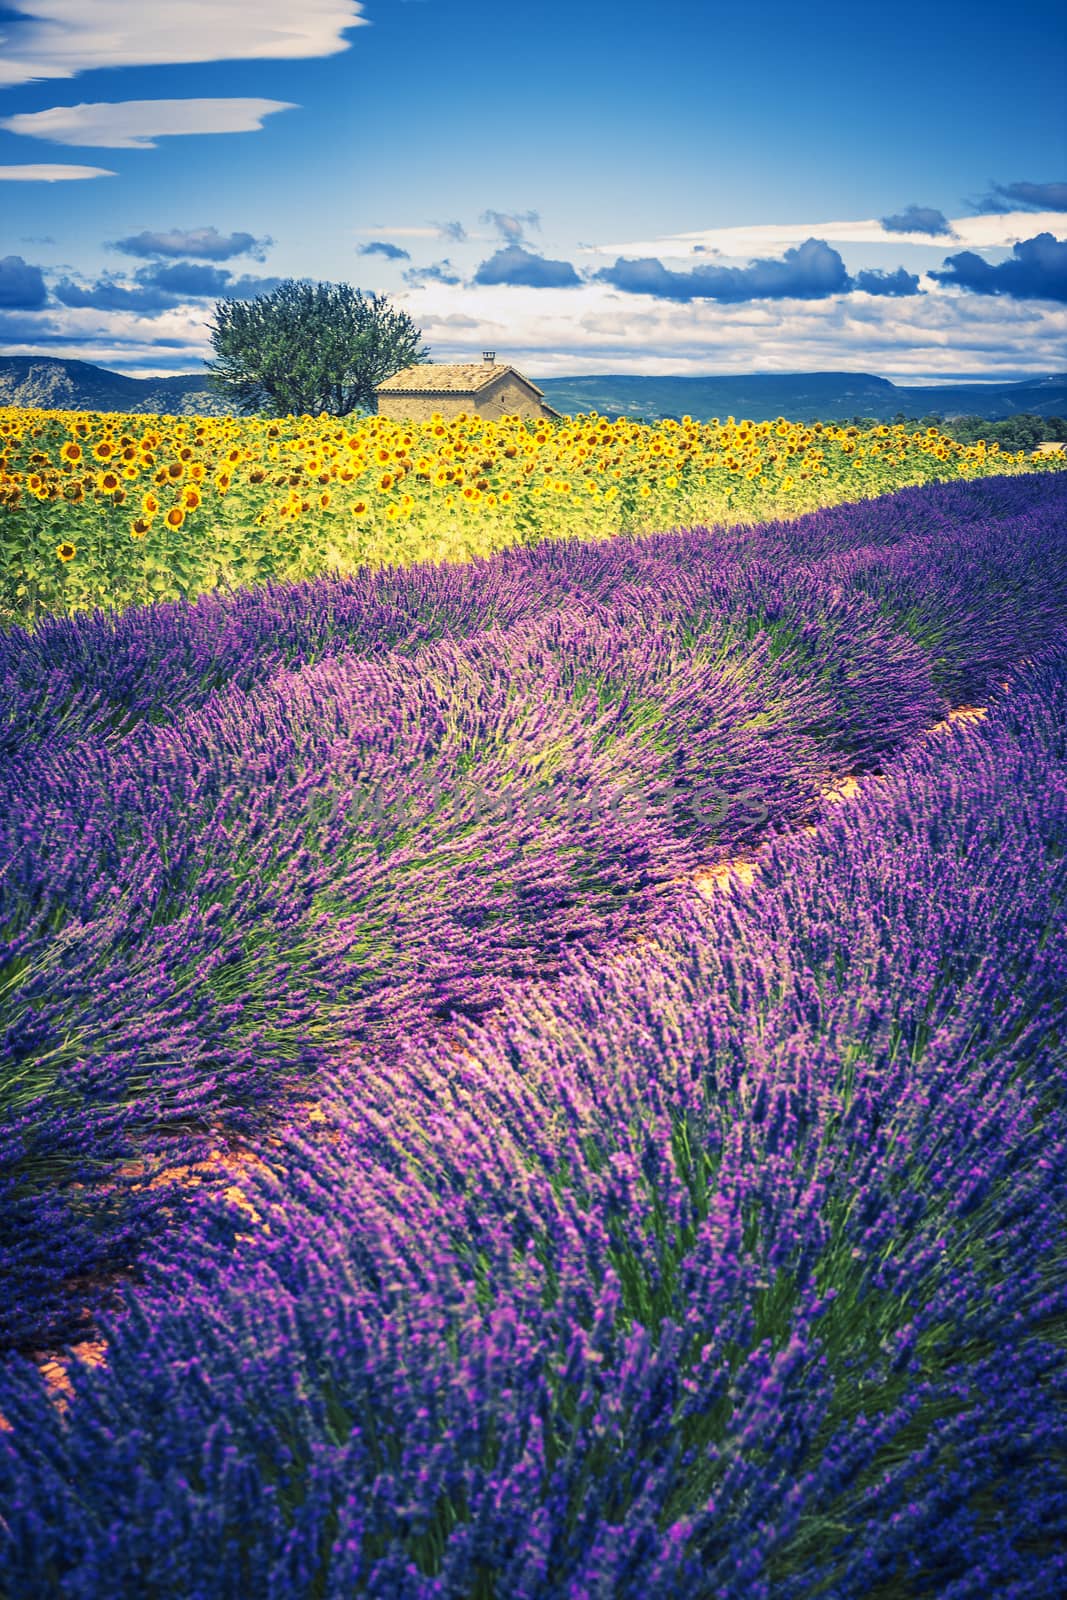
x,y
105,509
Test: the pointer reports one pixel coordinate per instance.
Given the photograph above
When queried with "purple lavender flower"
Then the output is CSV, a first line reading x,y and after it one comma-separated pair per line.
x,y
726,1263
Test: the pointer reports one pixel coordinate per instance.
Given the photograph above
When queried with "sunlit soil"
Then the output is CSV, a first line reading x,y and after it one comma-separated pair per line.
x,y
725,875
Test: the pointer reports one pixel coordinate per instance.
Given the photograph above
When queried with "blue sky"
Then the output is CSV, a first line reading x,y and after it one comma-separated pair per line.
x,y
582,186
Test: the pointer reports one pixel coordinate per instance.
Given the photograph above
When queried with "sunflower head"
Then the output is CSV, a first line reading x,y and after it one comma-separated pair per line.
x,y
66,551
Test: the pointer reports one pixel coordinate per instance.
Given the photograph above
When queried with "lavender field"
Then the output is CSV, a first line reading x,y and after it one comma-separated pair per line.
x,y
461,1203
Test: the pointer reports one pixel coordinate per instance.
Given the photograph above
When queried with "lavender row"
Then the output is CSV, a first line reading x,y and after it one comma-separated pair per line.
x,y
951,564
728,1265
341,858
203,910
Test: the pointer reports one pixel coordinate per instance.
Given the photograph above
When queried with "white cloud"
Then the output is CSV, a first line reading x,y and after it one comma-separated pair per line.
x,y
135,124
45,172
595,329
87,334
65,37
993,232
552,333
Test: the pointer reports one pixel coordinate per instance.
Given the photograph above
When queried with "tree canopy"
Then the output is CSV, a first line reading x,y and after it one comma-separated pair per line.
x,y
309,347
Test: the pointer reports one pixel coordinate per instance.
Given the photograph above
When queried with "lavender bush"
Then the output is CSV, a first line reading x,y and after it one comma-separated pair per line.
x,y
727,1265
238,882
354,850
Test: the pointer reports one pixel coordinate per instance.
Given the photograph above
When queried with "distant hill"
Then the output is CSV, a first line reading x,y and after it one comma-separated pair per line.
x,y
61,385
801,397
58,385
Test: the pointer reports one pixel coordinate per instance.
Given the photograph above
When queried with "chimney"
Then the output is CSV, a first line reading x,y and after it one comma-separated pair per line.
x,y
488,355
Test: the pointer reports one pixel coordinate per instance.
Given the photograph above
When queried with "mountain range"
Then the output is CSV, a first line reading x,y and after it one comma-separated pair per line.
x,y
54,383
801,397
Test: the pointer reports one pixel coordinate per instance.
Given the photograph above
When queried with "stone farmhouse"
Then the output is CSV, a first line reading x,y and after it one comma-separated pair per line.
x,y
487,388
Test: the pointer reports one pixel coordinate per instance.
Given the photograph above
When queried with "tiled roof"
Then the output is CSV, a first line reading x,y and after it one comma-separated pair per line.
x,y
441,377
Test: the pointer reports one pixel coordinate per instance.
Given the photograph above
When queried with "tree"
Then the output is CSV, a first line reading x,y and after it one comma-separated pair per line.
x,y
309,347
1020,432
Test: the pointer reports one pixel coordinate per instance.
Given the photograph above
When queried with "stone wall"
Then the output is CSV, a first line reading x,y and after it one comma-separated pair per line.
x,y
507,396
421,407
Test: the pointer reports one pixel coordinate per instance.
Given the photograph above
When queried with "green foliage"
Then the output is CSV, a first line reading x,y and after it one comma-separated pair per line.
x,y
309,348
1023,432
